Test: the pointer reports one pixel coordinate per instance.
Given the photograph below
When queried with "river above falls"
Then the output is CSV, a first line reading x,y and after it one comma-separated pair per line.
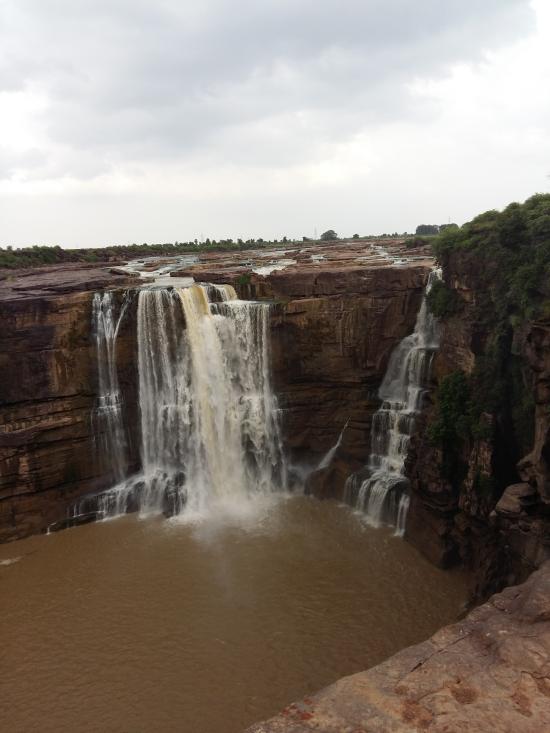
x,y
148,625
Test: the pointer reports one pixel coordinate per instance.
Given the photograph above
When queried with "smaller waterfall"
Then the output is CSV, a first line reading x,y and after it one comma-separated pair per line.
x,y
109,427
329,455
380,491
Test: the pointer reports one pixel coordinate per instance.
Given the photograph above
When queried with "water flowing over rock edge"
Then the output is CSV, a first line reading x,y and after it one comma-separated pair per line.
x,y
381,491
210,433
49,445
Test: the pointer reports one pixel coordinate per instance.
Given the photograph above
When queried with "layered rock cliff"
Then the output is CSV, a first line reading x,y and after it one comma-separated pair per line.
x,y
48,392
479,463
330,350
333,328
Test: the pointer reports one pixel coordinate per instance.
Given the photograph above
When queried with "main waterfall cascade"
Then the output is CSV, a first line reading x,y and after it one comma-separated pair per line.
x,y
109,427
381,491
209,420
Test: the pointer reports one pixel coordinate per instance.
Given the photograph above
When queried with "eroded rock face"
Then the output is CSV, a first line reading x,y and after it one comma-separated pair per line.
x,y
47,394
334,324
489,673
462,519
330,351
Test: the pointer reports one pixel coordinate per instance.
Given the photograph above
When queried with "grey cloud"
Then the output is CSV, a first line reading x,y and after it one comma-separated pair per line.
x,y
139,80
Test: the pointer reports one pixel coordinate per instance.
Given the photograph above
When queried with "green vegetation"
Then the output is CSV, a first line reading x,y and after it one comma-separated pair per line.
x,y
504,258
511,250
14,258
44,255
415,242
427,230
452,424
442,300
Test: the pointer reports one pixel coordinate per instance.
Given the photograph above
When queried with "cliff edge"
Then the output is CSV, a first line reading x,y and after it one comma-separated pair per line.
x,y
487,673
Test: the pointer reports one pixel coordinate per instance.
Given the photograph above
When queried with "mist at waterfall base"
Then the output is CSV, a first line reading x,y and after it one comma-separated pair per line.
x,y
380,491
210,435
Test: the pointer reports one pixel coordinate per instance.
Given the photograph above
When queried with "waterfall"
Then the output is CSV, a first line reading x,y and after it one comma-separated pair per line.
x,y
381,490
108,417
209,420
329,455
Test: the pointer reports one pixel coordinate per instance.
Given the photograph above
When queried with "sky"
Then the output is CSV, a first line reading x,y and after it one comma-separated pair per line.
x,y
168,120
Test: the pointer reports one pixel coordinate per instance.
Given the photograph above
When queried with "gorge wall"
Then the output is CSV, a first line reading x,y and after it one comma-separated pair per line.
x,y
479,462
332,331
48,392
332,340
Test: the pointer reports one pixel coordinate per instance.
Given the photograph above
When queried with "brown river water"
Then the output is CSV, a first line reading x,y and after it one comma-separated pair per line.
x,y
144,625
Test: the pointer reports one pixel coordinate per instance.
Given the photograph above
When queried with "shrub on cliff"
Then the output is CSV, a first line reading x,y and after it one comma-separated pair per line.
x,y
442,300
511,250
452,423
504,259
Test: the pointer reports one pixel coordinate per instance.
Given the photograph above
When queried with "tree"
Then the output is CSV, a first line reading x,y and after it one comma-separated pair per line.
x,y
329,236
512,226
426,230
355,236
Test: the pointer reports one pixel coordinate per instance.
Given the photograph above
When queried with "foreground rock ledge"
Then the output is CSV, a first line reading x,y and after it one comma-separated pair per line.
x,y
490,672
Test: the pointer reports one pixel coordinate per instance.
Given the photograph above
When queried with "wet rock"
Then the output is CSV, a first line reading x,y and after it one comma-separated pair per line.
x,y
334,325
74,521
48,362
514,499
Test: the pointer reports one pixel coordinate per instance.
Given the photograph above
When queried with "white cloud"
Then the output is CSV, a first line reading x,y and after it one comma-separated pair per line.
x,y
141,121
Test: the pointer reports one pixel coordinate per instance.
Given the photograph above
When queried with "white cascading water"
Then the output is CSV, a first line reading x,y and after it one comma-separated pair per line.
x,y
209,424
108,416
326,460
382,495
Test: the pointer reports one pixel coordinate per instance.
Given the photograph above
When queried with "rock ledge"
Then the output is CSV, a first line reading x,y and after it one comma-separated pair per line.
x,y
487,673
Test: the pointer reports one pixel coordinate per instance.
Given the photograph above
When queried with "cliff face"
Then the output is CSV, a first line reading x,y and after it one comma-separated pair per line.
x,y
330,352
490,507
489,672
48,392
334,325
333,328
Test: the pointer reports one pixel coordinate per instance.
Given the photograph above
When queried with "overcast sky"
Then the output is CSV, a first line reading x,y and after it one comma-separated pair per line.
x,y
161,120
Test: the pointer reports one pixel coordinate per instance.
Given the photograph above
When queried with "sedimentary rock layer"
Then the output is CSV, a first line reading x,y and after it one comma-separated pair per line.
x,y
47,394
333,327
501,532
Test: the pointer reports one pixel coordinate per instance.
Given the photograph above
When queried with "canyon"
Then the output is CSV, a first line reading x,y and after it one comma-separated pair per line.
x,y
333,323
333,315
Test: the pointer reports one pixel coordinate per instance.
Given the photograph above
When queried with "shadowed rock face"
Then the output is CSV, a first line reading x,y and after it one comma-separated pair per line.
x,y
488,673
47,393
330,353
464,524
334,324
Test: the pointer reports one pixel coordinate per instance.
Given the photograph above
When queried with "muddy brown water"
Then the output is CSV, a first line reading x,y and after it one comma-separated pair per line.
x,y
146,625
